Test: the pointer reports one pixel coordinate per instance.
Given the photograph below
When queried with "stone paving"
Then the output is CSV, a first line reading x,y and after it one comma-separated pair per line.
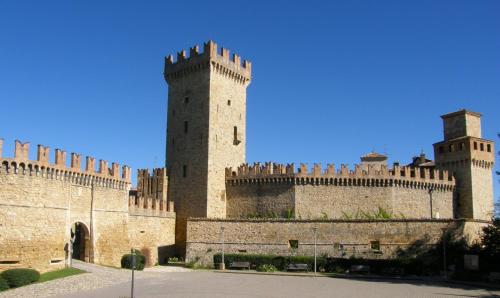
x,y
97,277
179,282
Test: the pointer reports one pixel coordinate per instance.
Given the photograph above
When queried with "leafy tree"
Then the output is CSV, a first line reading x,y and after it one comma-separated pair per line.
x,y
491,238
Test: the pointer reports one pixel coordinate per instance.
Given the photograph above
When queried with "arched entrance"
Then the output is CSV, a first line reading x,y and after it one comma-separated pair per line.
x,y
81,245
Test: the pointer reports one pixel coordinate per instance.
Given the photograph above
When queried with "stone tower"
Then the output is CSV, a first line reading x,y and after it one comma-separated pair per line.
x,y
470,158
205,129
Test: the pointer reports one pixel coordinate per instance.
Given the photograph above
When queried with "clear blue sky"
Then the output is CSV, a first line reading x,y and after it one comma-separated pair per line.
x,y
331,81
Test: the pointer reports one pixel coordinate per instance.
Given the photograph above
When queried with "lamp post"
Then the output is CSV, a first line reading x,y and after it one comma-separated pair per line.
x,y
431,190
444,254
133,268
223,265
314,231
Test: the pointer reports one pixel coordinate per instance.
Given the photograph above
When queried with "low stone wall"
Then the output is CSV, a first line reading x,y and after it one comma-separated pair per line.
x,y
154,236
336,238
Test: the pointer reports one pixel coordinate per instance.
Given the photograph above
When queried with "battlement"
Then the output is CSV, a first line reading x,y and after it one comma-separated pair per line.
x,y
148,206
20,163
219,61
270,172
151,193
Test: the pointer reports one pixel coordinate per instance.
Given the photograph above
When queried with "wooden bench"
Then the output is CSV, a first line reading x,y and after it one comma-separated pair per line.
x,y
359,269
240,265
494,276
297,267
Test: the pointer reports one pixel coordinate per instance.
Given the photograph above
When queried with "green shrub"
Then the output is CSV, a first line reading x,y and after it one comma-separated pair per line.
x,y
140,261
267,268
4,285
173,260
20,277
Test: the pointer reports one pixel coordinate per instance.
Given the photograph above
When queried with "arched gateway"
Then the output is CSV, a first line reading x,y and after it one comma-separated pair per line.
x,y
80,238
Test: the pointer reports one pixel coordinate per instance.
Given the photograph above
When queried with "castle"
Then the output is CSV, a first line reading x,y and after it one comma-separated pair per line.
x,y
207,189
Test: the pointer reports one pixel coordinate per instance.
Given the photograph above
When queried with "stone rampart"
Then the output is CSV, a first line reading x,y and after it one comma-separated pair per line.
x,y
278,190
40,203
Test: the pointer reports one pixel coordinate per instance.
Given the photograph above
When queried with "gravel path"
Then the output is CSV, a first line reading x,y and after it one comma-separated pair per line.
x,y
95,278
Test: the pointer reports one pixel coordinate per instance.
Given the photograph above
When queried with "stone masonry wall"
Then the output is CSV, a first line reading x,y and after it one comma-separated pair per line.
x,y
401,191
40,202
338,238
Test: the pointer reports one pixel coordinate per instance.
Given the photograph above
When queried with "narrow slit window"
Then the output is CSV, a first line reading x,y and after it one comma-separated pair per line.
x,y
186,99
185,126
228,102
184,171
236,140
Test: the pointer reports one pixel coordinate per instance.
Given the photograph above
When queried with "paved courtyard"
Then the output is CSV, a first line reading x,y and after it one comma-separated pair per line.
x,y
179,282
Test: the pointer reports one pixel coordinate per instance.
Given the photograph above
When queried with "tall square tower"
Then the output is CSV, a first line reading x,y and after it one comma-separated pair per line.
x,y
205,129
470,158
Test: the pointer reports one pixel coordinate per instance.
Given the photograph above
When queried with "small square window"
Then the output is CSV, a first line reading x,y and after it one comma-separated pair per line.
x,y
375,245
293,243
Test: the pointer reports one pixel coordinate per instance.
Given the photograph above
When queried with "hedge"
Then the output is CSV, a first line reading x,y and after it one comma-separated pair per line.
x,y
20,277
3,284
378,266
140,261
385,266
280,262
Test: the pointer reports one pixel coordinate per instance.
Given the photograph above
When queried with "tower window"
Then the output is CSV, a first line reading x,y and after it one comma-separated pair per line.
x,y
185,126
488,147
475,145
184,171
228,102
462,146
450,148
481,146
173,112
441,149
186,99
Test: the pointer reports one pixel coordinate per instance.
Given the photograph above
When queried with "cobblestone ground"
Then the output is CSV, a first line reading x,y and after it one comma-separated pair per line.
x,y
172,282
95,278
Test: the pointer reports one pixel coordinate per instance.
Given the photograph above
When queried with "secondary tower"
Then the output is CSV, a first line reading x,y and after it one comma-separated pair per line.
x,y
470,158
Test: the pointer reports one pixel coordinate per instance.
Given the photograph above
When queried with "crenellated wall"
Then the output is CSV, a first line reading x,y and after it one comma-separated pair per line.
x,y
260,189
40,202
